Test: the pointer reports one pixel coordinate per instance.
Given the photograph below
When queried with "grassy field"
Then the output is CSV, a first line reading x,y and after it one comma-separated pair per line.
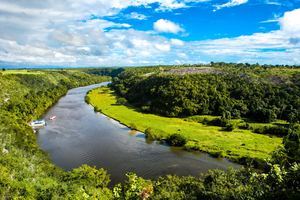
x,y
21,71
234,145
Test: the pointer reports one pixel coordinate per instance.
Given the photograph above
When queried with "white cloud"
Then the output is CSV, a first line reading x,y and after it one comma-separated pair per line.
x,y
276,47
290,23
177,42
166,26
163,47
274,19
273,2
231,3
137,16
53,32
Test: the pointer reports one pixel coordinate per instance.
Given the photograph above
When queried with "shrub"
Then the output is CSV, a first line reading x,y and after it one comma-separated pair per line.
x,y
145,108
217,154
133,126
87,99
150,133
134,188
220,121
292,145
259,130
176,140
97,109
121,101
88,176
276,130
153,134
229,127
244,126
272,130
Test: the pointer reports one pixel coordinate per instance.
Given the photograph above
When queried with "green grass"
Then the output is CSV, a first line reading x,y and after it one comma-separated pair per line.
x,y
21,71
233,145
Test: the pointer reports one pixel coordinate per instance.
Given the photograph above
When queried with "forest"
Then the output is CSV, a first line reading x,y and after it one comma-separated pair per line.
x,y
259,94
27,173
252,93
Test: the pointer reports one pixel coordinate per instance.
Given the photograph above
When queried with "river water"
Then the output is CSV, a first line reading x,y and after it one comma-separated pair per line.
x,y
79,136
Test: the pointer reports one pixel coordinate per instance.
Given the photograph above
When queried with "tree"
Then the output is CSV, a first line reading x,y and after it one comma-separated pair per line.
x,y
89,176
292,145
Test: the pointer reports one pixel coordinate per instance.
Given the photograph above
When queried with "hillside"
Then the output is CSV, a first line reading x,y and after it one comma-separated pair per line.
x,y
27,173
256,93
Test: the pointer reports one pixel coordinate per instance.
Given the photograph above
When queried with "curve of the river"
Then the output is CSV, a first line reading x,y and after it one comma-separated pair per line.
x,y
79,136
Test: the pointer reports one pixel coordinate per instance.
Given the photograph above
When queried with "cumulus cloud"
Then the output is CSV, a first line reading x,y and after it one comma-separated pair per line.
x,y
166,26
137,16
280,46
231,3
177,42
63,33
290,23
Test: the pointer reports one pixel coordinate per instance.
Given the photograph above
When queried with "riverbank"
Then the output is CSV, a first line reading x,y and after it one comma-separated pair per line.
x,y
238,145
26,171
81,136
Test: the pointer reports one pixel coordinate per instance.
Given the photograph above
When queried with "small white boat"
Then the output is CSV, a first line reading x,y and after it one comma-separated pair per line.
x,y
52,117
38,123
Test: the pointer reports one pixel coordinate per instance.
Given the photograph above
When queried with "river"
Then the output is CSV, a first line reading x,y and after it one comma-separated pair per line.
x,y
79,136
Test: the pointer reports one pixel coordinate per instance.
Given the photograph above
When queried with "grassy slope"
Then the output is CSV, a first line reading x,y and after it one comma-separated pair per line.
x,y
25,171
233,145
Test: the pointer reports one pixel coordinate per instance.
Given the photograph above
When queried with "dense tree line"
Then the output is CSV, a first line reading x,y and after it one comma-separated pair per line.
x,y
112,72
232,92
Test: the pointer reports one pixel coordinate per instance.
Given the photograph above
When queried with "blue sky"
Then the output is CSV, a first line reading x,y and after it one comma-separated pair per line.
x,y
202,22
148,32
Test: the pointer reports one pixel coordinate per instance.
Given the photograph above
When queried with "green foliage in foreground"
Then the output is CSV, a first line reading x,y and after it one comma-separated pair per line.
x,y
240,145
277,183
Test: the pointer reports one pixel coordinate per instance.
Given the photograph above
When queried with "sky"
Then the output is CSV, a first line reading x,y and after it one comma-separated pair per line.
x,y
103,33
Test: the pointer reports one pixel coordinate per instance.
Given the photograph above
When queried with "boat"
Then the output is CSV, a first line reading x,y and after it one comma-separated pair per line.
x,y
38,123
52,117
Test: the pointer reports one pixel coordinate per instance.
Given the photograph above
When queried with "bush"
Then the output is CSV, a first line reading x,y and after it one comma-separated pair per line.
x,y
217,154
150,134
220,121
97,109
272,130
87,99
244,126
292,145
176,140
259,130
145,108
276,130
121,101
133,126
134,188
229,127
88,176
153,134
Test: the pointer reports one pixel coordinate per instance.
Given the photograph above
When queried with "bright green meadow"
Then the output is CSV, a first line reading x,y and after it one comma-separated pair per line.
x,y
235,145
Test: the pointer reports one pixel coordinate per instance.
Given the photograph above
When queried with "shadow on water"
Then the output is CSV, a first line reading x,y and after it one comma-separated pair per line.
x,y
79,136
